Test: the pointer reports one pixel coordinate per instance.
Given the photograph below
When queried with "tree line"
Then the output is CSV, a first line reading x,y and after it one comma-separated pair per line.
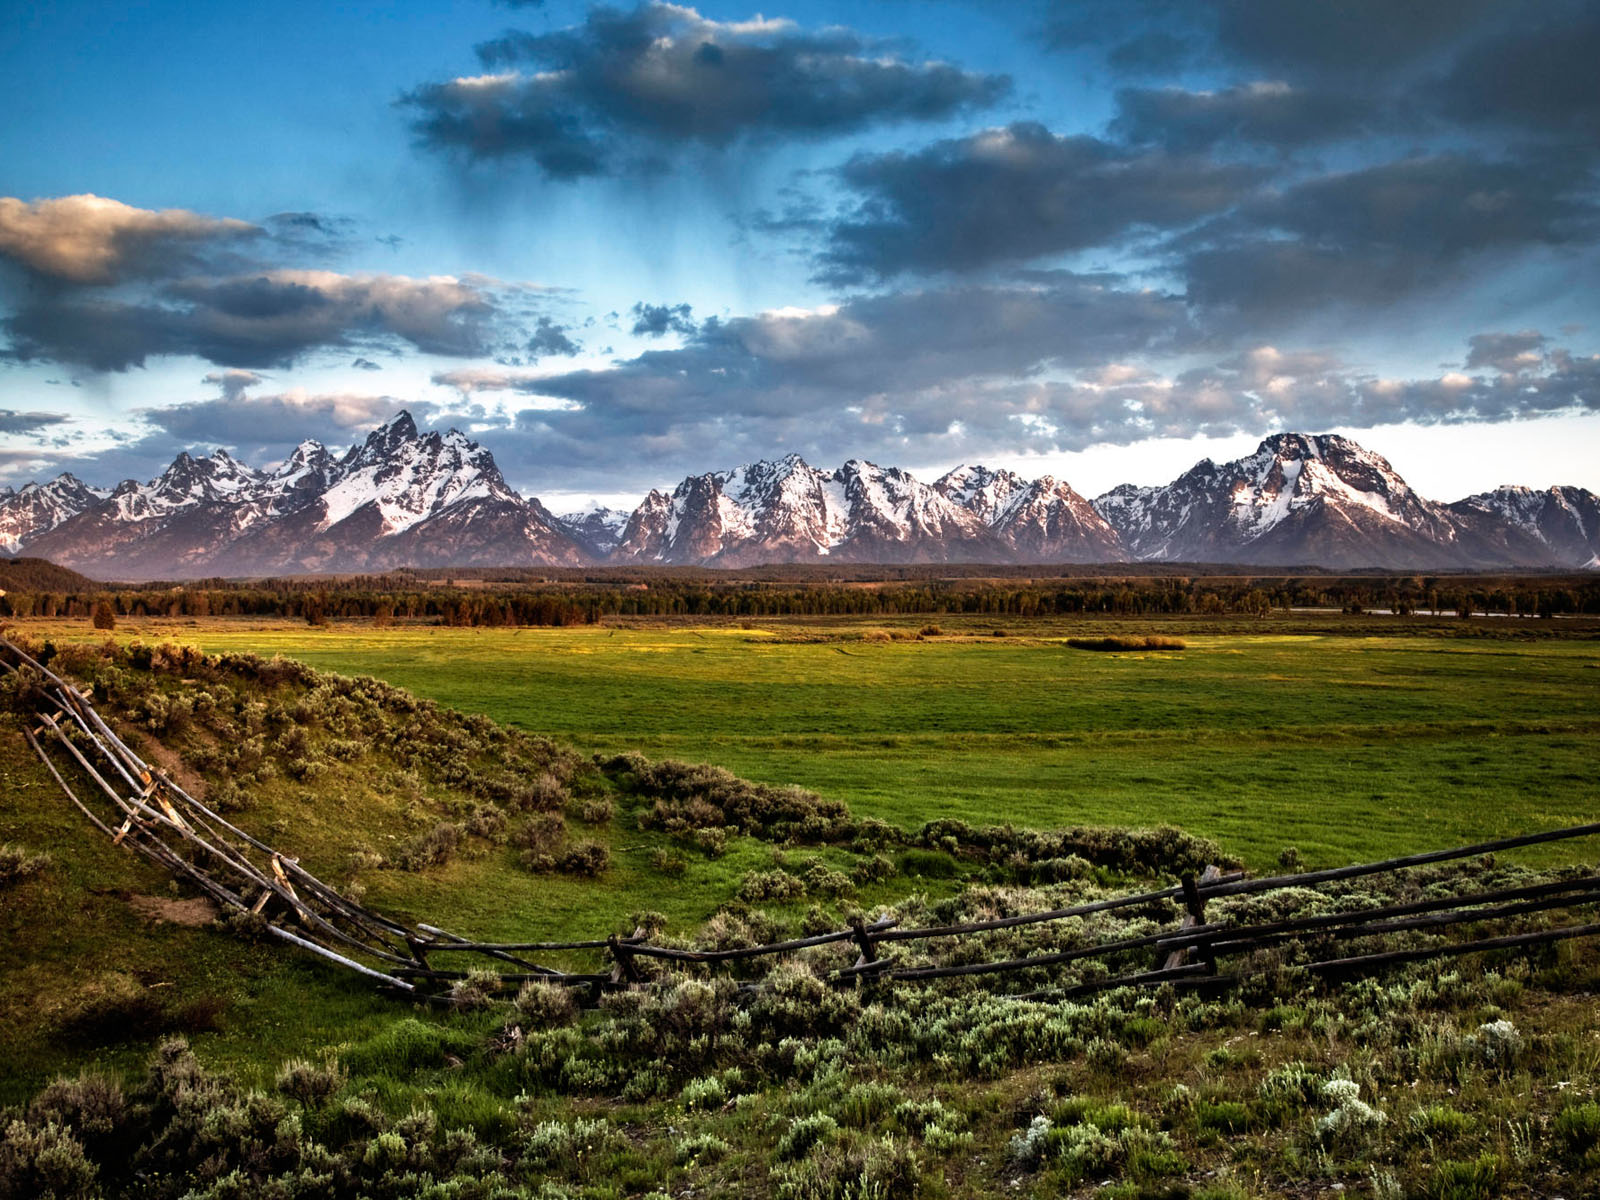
x,y
576,603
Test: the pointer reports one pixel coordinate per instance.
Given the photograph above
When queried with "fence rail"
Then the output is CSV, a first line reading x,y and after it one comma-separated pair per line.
x,y
143,809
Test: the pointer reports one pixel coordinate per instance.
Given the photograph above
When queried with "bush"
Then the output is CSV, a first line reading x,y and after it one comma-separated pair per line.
x,y
804,1133
1127,643
546,1005
433,848
1577,1134
584,858
776,885
105,616
475,991
307,1082
16,864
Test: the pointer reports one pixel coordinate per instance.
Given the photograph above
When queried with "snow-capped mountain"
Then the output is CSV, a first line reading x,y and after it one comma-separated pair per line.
x,y
1041,521
37,508
1298,499
402,498
788,511
399,499
596,528
1525,526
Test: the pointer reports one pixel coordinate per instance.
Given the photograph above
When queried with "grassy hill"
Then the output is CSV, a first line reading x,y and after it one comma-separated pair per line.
x,y
42,575
1428,1082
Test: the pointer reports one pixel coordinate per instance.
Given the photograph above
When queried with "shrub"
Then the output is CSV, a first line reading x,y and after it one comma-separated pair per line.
x,y
668,862
776,885
859,1170
546,1005
477,990
307,1082
706,1093
1478,1179
542,793
584,858
596,811
804,1133
105,616
1352,1120
1127,643
1577,1134
44,1161
16,864
702,1147
433,848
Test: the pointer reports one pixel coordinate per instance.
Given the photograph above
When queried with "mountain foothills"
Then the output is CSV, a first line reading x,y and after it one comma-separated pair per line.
x,y
408,499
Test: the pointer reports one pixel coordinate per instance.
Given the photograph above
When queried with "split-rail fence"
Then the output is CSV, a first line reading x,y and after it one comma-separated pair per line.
x,y
142,808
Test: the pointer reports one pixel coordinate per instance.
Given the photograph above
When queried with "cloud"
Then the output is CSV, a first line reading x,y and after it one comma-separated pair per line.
x,y
1510,353
233,383
1538,76
656,320
365,364
18,424
266,319
266,428
1378,235
551,339
624,84
89,239
1268,113
1014,194
1357,39
877,375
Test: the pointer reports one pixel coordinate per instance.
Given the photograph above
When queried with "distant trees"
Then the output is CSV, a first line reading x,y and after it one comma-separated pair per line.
x,y
105,616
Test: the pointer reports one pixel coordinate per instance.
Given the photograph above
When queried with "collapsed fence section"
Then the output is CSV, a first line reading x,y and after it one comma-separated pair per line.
x,y
144,809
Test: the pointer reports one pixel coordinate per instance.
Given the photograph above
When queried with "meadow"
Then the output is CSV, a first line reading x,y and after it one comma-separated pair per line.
x,y
1344,738
1346,743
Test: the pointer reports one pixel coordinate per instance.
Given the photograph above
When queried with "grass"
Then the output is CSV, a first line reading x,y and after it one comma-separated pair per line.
x,y
1348,746
1344,746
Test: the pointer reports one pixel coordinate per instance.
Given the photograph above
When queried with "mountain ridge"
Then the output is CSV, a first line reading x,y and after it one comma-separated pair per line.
x,y
405,498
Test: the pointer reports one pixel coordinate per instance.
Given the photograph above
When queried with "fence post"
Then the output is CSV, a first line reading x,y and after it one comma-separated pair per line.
x,y
864,942
622,955
1195,914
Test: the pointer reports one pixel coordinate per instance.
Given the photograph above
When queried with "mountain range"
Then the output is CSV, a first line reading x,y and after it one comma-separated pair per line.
x,y
403,498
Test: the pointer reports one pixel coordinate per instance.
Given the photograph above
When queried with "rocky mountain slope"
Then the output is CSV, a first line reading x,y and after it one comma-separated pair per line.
x,y
402,498
405,498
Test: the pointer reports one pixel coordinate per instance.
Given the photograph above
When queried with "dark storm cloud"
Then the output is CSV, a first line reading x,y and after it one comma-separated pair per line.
x,y
551,339
1273,114
20,423
263,320
1349,39
657,320
1541,75
1014,194
1382,234
601,94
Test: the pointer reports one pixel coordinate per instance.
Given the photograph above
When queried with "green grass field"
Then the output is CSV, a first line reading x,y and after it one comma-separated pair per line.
x,y
1346,747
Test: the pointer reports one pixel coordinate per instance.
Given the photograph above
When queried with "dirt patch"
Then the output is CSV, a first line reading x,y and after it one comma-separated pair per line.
x,y
179,771
198,911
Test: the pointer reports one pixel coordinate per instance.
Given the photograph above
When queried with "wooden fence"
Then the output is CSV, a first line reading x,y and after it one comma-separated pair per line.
x,y
140,807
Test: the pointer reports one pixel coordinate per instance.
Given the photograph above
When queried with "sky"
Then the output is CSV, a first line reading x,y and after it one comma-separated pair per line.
x,y
621,245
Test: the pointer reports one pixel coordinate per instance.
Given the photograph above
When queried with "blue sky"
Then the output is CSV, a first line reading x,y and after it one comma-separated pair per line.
x,y
623,244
